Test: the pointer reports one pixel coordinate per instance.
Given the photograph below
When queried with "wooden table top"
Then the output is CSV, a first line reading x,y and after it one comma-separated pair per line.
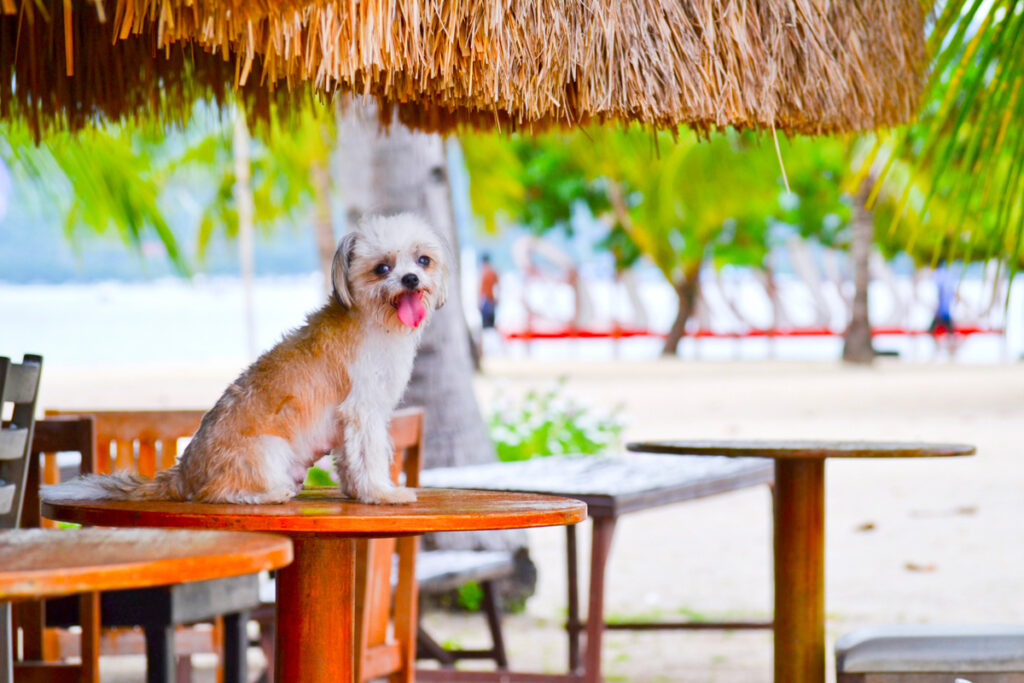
x,y
610,484
323,510
805,450
38,563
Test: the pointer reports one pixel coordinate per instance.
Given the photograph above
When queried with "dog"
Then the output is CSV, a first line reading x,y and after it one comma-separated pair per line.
x,y
329,386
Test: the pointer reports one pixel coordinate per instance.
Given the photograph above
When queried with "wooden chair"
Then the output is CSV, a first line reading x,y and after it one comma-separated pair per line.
x,y
931,653
390,576
71,434
143,442
386,601
19,388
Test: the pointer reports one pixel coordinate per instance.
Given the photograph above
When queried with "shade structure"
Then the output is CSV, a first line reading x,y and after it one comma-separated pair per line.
x,y
805,66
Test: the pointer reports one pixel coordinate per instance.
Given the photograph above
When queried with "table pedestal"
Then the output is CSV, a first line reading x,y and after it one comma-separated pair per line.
x,y
799,571
315,619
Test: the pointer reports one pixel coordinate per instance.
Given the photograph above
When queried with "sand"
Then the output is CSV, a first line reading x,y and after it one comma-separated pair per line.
x,y
907,541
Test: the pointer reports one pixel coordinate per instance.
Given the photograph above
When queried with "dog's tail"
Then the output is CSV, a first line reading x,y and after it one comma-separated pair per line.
x,y
166,485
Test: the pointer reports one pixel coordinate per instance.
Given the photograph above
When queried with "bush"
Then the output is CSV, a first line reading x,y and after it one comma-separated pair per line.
x,y
549,423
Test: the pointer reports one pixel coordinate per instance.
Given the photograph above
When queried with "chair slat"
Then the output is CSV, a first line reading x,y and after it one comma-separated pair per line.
x,y
7,492
12,443
51,469
22,381
140,424
124,461
168,453
147,457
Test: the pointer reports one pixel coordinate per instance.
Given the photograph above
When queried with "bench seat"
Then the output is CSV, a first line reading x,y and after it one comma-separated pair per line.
x,y
912,653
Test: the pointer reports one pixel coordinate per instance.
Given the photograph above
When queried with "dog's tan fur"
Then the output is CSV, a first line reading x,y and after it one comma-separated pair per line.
x,y
327,387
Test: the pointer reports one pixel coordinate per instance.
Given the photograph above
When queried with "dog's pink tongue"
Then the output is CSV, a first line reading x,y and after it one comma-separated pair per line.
x,y
411,310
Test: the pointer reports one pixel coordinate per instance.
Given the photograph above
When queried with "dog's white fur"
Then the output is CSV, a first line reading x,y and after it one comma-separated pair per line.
x,y
329,386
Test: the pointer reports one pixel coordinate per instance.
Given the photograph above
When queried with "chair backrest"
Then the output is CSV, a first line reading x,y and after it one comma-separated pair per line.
x,y
138,441
19,385
383,603
52,435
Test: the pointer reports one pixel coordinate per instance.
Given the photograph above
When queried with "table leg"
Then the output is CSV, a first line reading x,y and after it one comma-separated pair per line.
x,y
236,641
159,653
315,612
572,625
604,529
799,571
6,657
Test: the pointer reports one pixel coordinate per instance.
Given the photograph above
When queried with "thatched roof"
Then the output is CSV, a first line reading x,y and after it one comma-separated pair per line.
x,y
809,66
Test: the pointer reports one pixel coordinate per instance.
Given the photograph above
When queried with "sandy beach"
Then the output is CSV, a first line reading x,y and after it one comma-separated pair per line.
x,y
907,541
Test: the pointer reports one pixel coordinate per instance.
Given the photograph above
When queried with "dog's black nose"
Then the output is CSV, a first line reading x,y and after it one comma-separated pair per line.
x,y
411,280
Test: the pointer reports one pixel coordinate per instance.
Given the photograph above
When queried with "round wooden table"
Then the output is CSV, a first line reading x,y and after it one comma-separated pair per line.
x,y
799,531
48,563
316,593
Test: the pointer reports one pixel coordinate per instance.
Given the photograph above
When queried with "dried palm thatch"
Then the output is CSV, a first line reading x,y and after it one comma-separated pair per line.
x,y
807,66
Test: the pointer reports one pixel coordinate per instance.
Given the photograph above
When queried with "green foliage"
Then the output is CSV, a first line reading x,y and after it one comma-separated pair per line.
x,y
125,180
959,169
108,181
318,477
548,423
677,200
470,596
536,182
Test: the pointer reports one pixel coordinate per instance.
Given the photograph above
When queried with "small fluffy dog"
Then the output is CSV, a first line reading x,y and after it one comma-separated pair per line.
x,y
328,387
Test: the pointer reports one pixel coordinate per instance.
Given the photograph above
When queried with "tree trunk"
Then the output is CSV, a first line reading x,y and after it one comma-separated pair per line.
x,y
244,203
857,346
402,171
686,289
323,225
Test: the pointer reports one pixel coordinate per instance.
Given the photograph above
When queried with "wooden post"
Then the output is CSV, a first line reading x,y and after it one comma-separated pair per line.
x,y
799,571
315,621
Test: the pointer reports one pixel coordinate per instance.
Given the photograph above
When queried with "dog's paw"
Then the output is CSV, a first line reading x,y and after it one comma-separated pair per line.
x,y
395,495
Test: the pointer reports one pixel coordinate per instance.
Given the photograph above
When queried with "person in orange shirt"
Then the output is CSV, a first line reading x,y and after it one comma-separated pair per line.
x,y
488,298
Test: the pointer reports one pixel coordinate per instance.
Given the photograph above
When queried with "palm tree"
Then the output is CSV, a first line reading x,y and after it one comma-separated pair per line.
x,y
967,147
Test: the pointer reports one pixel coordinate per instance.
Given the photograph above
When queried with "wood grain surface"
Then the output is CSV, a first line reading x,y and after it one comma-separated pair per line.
x,y
805,449
38,563
325,511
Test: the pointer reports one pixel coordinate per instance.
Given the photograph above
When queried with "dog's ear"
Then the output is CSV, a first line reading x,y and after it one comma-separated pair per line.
x,y
340,270
444,274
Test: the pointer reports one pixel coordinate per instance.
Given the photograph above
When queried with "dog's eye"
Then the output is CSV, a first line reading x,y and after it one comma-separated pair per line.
x,y
382,269
423,261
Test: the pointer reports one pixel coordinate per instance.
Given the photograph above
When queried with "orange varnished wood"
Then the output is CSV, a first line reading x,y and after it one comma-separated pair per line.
x,y
386,617
168,453
89,611
38,563
128,432
147,458
316,594
325,511
143,441
315,625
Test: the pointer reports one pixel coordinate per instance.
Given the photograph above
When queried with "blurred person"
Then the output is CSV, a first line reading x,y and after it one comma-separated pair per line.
x,y
488,296
942,322
488,299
